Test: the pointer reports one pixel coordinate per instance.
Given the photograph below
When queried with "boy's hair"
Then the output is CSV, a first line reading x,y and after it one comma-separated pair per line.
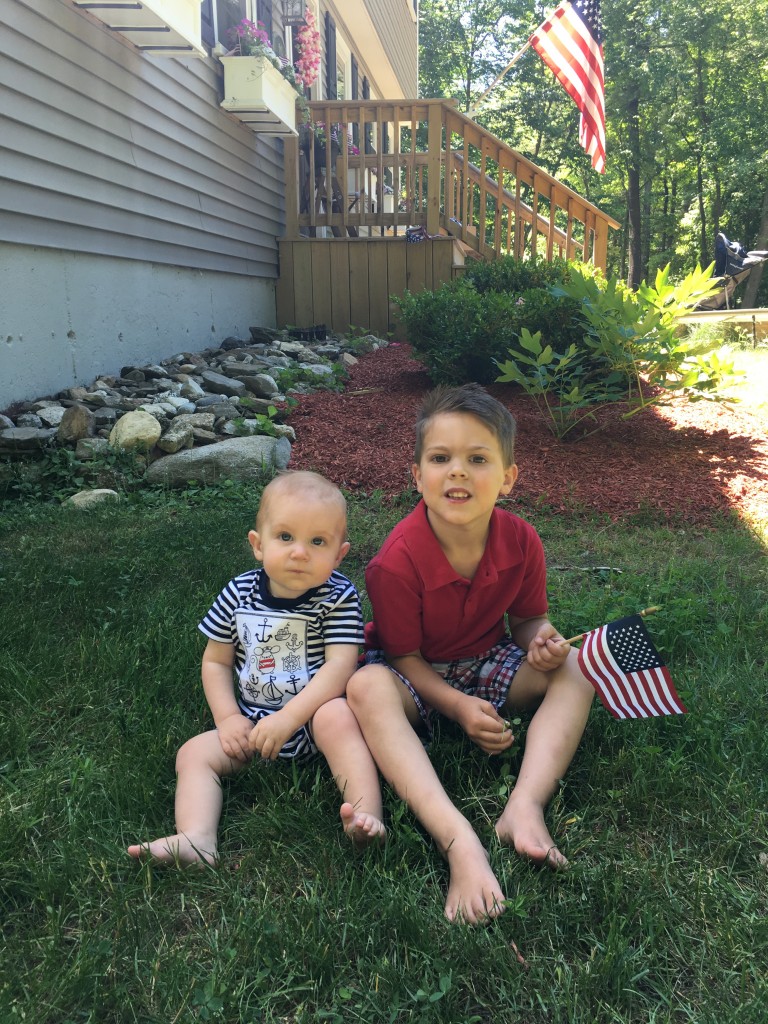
x,y
475,400
298,484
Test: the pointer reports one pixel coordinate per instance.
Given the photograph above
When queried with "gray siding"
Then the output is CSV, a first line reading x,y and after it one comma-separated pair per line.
x,y
107,151
398,33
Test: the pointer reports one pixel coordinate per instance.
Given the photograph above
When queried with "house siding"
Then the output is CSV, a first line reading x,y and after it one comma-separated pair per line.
x,y
137,218
118,153
397,31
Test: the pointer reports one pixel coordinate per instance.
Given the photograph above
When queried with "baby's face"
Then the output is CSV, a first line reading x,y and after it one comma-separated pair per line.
x,y
300,543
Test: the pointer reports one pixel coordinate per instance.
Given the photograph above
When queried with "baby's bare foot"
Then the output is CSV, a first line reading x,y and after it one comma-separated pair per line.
x,y
522,826
180,850
363,829
474,894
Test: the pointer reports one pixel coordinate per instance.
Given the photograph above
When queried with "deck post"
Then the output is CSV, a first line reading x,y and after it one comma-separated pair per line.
x,y
435,148
291,178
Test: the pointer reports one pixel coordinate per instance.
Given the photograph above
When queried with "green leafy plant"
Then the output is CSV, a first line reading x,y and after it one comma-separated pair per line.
x,y
559,382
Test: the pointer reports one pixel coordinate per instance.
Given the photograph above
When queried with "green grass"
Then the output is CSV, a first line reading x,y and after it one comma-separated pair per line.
x,y
663,917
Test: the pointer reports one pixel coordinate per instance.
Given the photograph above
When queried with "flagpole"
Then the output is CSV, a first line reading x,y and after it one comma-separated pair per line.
x,y
515,59
642,614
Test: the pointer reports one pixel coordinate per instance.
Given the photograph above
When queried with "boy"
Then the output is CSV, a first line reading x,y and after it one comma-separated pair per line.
x,y
440,588
290,631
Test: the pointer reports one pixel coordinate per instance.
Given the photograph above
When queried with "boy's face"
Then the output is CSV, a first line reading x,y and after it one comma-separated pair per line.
x,y
462,471
300,543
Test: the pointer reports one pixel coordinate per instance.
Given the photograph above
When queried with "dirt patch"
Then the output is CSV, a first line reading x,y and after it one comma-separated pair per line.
x,y
687,461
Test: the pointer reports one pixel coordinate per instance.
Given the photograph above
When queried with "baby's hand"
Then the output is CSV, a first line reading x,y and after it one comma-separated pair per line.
x,y
545,651
233,736
484,725
270,735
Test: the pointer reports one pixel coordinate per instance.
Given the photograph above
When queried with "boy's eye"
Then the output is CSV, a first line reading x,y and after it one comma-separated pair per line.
x,y
478,459
439,458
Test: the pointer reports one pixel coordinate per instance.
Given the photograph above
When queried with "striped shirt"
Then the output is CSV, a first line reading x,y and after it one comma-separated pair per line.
x,y
279,642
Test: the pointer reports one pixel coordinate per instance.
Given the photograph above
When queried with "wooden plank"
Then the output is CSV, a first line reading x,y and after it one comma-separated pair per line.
x,y
321,282
442,261
302,284
398,282
378,286
284,288
416,266
340,318
359,310
291,172
434,135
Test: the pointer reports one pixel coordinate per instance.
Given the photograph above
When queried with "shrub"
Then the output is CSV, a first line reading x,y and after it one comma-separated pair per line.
x,y
465,327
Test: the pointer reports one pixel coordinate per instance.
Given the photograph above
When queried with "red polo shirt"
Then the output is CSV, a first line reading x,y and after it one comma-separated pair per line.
x,y
420,603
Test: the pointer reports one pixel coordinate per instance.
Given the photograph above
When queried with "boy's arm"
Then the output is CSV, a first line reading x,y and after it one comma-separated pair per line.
x,y
540,639
233,727
478,718
330,680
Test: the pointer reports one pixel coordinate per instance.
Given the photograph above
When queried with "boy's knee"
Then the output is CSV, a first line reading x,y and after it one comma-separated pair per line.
x,y
192,752
365,685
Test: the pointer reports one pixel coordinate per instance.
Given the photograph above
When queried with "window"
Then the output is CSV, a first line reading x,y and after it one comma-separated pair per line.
x,y
229,13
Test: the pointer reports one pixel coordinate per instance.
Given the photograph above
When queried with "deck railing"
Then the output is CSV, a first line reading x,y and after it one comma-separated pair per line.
x,y
402,165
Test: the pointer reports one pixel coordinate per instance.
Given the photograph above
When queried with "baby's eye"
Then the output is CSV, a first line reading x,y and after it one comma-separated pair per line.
x,y
318,542
478,459
439,458
284,536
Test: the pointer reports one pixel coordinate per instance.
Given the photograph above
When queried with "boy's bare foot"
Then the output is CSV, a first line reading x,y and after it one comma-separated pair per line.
x,y
180,850
361,828
474,894
522,826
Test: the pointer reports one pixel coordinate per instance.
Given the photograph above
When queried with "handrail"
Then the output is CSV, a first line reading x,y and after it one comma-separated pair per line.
x,y
422,163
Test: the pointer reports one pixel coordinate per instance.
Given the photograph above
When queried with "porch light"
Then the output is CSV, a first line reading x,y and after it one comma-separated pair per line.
x,y
293,12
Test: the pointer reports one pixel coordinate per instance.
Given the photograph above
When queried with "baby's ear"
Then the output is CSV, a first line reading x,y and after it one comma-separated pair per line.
x,y
343,552
254,539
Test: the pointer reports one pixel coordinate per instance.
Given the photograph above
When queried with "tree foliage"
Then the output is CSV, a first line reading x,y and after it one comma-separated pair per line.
x,y
686,109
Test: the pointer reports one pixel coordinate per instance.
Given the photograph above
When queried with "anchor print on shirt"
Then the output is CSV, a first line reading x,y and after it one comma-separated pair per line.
x,y
275,666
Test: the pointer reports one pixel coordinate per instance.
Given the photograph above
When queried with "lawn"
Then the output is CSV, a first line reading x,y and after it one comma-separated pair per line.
x,y
662,918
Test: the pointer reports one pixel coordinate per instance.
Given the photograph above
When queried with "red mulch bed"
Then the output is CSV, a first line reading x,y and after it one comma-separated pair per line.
x,y
687,462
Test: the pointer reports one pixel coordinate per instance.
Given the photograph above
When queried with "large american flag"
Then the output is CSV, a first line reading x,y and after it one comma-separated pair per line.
x,y
624,667
570,42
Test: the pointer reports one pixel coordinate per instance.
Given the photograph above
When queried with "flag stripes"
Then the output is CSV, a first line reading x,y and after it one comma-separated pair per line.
x,y
625,669
570,44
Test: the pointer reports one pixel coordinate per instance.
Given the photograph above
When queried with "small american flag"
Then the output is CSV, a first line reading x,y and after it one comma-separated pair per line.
x,y
570,42
624,667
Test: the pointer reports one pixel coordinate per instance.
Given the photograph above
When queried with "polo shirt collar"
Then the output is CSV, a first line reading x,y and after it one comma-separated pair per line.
x,y
434,568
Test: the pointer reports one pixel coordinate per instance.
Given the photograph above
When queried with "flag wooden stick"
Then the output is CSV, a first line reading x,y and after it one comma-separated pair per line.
x,y
473,109
642,614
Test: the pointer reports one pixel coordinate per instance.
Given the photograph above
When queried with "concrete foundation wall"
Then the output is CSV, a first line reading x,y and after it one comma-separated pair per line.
x,y
66,318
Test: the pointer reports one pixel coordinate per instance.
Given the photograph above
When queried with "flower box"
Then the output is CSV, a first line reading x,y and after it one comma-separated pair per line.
x,y
256,93
168,28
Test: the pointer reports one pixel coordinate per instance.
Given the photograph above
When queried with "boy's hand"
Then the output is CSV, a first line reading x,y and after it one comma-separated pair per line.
x,y
484,725
545,652
270,735
233,735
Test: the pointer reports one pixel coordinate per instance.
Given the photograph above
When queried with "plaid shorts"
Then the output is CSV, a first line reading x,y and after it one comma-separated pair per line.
x,y
488,675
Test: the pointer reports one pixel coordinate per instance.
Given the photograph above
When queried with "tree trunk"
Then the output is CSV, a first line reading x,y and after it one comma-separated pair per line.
x,y
635,272
753,281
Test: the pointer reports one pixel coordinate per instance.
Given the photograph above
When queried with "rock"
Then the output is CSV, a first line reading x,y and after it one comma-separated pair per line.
x,y
203,420
25,439
221,385
5,422
264,335
177,436
29,419
76,423
319,369
240,458
191,389
90,447
87,499
348,359
135,430
262,385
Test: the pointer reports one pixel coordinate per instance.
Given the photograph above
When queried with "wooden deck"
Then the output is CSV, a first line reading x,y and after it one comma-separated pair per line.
x,y
411,165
